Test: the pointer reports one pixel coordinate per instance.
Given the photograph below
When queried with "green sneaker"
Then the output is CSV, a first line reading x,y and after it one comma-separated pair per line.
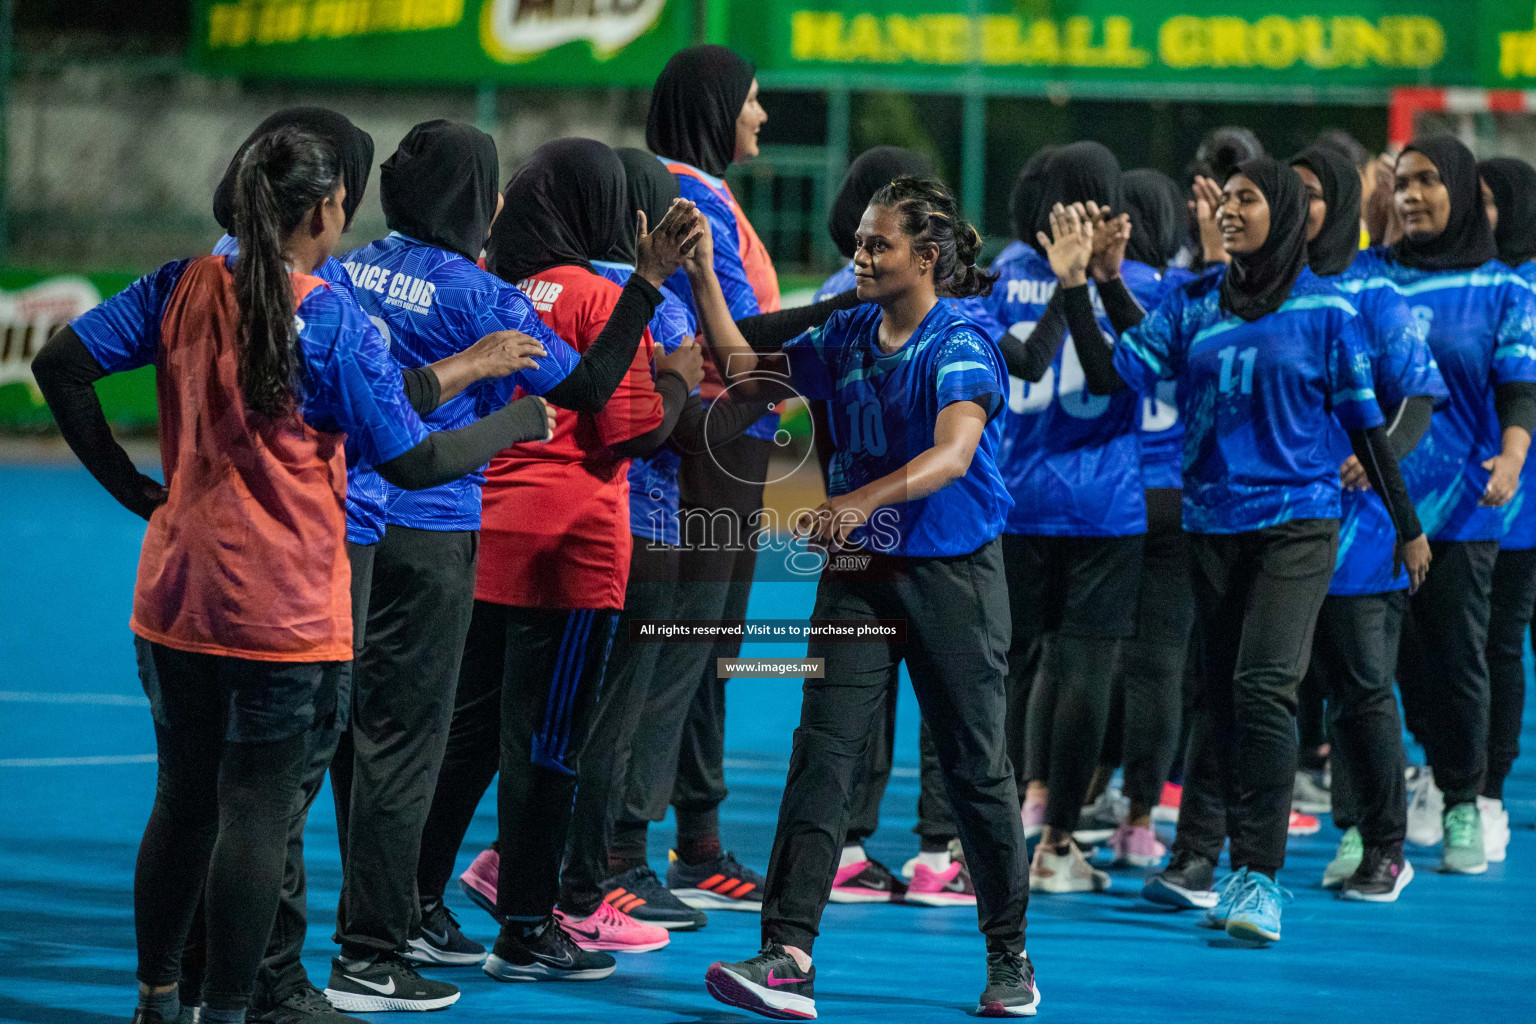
x,y
1463,852
1345,859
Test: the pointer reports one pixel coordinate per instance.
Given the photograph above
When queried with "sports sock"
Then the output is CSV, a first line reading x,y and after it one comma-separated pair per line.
x,y
698,836
935,860
167,1003
208,1015
852,854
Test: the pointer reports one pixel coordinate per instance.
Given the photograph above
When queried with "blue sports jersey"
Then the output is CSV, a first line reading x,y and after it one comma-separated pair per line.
x,y
1481,328
345,386
1162,432
739,296
882,410
1401,367
1255,399
653,497
1072,461
1520,514
366,490
430,304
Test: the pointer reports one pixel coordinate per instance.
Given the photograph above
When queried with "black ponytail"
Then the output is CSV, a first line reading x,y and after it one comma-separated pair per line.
x,y
929,215
281,177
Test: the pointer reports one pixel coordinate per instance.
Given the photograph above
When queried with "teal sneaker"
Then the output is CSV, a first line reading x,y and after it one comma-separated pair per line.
x,y
1255,915
1463,853
1226,892
1346,859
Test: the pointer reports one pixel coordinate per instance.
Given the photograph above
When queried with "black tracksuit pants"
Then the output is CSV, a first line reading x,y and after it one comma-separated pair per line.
x,y
955,646
1443,665
605,757
527,696
1148,704
1072,601
678,753
1258,594
1354,662
1509,616
402,702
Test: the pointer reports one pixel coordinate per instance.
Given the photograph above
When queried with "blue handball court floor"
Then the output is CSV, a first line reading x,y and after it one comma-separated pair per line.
x,y
77,778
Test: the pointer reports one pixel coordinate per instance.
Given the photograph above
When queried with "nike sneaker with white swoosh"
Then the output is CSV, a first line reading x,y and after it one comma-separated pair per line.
x,y
439,943
770,984
608,928
386,982
545,953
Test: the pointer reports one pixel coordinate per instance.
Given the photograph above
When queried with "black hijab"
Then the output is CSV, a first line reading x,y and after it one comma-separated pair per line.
x,y
1467,240
1159,218
439,186
648,186
694,106
565,207
869,173
1256,283
1025,195
1513,184
1076,173
1337,244
354,148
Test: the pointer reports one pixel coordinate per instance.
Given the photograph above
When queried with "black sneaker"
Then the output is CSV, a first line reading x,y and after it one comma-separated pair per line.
x,y
1381,877
1186,883
871,883
640,894
385,982
546,953
719,884
1010,990
304,1005
770,983
439,941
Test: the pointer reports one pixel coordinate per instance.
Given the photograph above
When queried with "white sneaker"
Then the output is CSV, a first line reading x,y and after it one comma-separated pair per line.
x,y
1495,828
1426,808
1065,872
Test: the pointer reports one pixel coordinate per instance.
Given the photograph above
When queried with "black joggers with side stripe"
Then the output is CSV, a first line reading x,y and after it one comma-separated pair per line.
x,y
528,691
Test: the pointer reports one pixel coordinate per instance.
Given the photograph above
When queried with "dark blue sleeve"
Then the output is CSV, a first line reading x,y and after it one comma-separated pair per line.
x,y
967,369
123,332
807,356
355,383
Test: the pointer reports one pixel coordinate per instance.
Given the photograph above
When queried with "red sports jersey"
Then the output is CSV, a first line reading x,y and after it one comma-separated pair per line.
x,y
554,529
246,558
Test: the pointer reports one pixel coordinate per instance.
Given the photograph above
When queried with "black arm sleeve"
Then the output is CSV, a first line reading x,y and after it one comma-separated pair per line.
x,y
66,373
422,389
1374,450
1028,360
768,332
1092,350
673,390
700,429
1120,305
1515,403
1407,424
446,455
608,358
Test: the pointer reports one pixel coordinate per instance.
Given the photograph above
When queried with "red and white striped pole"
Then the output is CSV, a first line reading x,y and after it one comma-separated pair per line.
x,y
1410,101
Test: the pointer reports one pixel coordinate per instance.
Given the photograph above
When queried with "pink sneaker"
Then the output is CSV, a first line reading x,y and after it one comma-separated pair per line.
x,y
1303,824
1136,846
1033,816
948,888
609,928
867,881
479,881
